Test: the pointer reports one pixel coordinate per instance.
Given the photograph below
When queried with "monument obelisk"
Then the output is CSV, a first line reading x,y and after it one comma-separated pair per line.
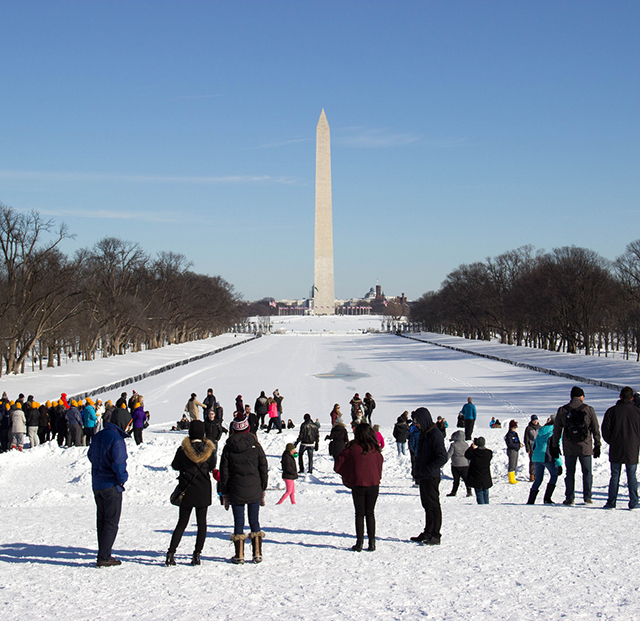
x,y
323,294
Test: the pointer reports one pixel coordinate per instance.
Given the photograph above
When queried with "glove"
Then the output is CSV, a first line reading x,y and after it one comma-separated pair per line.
x,y
554,451
596,452
216,475
317,446
120,488
225,500
263,502
559,471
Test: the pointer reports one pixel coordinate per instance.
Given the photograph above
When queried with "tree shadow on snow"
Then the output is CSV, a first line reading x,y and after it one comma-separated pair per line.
x,y
69,556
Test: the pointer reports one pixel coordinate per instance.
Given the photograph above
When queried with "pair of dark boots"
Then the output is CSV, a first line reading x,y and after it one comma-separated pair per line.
x,y
170,560
360,543
547,495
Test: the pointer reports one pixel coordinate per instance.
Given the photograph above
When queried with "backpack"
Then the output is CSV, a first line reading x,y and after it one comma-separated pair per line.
x,y
460,420
576,427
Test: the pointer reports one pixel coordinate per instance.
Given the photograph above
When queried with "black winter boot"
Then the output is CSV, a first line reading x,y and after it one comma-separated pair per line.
x,y
170,559
548,493
195,559
532,497
358,546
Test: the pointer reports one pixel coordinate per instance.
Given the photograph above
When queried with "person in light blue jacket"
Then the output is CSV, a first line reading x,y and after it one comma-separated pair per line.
x,y
89,420
542,460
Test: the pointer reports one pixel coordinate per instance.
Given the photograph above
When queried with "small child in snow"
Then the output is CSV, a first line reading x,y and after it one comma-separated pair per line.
x,y
289,474
376,429
479,473
513,449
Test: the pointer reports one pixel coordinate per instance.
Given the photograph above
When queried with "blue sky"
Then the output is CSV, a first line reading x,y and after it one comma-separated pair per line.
x,y
459,130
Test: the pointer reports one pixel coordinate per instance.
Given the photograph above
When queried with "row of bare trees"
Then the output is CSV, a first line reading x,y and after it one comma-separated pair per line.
x,y
108,299
570,299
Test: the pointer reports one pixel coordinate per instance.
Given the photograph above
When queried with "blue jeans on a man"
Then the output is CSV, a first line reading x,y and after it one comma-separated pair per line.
x,y
614,484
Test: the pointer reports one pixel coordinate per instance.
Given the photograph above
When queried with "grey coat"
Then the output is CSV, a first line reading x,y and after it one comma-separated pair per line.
x,y
457,449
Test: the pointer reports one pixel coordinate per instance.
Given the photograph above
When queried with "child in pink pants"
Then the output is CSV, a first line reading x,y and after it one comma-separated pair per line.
x,y
289,474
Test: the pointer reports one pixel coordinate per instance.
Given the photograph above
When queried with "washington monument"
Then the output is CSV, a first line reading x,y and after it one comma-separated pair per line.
x,y
323,295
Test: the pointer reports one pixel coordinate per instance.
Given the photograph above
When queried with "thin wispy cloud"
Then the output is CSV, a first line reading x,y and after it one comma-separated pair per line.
x,y
187,97
283,143
143,216
373,138
45,175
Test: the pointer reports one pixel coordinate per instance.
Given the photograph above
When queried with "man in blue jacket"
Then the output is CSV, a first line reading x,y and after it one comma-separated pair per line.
x,y
108,457
470,413
430,458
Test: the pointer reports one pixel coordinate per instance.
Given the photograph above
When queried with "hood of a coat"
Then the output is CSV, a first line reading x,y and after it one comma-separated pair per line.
x,y
197,454
457,436
423,417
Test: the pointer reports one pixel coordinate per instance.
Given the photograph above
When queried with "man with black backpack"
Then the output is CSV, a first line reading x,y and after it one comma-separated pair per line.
x,y
578,425
308,439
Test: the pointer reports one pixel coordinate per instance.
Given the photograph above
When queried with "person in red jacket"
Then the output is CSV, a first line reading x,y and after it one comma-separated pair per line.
x,y
360,466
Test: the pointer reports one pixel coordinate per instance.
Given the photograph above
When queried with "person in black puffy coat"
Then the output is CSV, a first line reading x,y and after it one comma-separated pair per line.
x,y
244,475
289,474
195,459
479,473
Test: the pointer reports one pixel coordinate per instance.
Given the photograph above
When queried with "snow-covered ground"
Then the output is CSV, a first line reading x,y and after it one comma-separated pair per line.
x,y
501,561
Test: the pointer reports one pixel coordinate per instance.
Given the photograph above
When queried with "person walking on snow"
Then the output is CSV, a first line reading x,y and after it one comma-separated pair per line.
x,y
621,431
542,460
308,438
577,423
192,406
289,474
470,414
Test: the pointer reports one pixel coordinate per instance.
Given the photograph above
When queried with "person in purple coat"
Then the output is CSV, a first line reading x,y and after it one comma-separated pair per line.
x,y
139,417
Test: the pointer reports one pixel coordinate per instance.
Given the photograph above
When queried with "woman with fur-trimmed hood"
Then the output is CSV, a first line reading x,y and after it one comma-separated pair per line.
x,y
195,459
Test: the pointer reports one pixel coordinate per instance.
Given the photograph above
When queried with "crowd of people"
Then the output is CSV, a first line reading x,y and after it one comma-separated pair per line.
x,y
68,421
242,476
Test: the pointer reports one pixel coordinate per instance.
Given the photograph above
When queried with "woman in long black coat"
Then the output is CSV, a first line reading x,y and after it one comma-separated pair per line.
x,y
195,459
339,437
244,475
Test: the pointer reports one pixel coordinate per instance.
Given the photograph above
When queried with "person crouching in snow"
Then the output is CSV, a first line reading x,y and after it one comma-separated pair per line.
x,y
479,474
513,448
289,474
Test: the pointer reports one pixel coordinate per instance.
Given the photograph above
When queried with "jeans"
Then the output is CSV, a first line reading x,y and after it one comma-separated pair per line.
x,y
253,509
137,435
539,474
482,496
632,484
402,446
89,432
512,456
364,502
570,478
430,498
305,448
183,521
109,508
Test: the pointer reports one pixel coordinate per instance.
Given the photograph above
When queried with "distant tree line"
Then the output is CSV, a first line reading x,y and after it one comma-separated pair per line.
x,y
108,299
570,299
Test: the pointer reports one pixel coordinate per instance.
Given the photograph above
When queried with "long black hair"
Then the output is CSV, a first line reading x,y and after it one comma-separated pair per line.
x,y
366,438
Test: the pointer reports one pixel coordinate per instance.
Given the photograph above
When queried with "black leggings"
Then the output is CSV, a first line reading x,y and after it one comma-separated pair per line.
x,y
183,520
364,501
